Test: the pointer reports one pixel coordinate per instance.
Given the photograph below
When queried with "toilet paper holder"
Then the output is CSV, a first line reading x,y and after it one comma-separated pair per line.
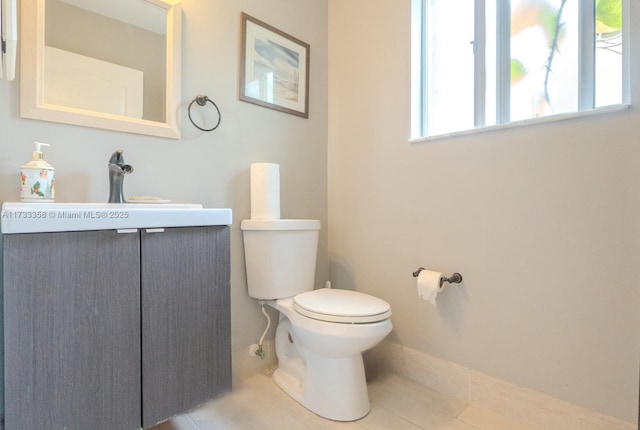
x,y
455,278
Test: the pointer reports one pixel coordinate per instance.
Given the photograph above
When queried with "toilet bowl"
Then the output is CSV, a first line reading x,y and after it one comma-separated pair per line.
x,y
320,362
321,333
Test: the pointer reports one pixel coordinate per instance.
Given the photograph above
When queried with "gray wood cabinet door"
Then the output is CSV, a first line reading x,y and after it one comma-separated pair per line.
x,y
186,347
72,331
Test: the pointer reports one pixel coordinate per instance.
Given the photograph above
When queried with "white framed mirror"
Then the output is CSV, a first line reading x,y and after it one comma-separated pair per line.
x,y
110,64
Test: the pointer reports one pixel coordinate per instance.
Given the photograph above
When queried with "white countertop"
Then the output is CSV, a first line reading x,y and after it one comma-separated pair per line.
x,y
49,217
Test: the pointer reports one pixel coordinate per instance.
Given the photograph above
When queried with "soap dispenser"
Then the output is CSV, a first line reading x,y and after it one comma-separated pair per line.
x,y
37,178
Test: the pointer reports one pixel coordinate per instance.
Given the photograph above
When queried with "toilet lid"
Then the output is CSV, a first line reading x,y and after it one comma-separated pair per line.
x,y
343,306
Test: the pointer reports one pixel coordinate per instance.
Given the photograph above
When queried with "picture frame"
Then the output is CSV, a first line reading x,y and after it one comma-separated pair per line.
x,y
274,69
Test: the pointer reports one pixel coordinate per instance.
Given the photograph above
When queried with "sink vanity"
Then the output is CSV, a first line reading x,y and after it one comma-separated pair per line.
x,y
116,316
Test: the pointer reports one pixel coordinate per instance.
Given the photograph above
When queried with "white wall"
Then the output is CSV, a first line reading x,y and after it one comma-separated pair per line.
x,y
542,221
208,168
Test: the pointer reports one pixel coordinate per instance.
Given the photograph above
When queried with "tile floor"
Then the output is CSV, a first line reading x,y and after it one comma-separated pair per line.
x,y
396,403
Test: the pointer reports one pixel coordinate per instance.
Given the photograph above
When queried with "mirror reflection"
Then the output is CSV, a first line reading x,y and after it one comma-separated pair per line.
x,y
106,56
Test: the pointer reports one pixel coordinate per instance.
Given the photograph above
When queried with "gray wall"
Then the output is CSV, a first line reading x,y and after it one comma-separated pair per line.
x,y
208,168
542,221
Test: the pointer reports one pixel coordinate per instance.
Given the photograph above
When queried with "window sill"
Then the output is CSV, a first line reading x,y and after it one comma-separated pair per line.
x,y
525,123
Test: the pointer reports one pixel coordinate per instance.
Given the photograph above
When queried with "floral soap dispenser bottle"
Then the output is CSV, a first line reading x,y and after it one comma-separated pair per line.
x,y
37,178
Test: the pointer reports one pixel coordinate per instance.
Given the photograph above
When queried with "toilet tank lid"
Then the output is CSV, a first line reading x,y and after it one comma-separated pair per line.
x,y
280,224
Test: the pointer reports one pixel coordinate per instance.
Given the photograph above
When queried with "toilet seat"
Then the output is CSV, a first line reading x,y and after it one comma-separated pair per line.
x,y
341,306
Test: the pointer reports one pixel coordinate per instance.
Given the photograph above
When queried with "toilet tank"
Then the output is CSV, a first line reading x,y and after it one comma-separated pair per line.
x,y
280,256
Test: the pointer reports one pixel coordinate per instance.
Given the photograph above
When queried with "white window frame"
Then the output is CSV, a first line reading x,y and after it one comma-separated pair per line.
x,y
586,70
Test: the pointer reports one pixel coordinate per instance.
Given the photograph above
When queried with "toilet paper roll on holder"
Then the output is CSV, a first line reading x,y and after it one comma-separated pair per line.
x,y
455,278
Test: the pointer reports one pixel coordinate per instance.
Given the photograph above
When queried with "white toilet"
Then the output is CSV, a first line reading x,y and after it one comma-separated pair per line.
x,y
321,333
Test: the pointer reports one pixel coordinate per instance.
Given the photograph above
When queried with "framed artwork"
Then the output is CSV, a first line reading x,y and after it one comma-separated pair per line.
x,y
274,69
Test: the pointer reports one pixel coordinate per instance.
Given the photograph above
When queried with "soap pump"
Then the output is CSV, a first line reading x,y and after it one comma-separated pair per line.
x,y
37,178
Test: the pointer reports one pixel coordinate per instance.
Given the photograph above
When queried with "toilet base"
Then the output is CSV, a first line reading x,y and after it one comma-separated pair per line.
x,y
336,388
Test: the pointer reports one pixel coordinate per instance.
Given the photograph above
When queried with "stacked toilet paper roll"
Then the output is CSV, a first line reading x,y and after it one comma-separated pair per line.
x,y
265,191
429,285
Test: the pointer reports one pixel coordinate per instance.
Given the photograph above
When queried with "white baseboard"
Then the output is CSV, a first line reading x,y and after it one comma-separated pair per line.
x,y
527,407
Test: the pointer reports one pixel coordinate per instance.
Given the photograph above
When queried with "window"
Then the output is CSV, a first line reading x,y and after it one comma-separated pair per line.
x,y
478,63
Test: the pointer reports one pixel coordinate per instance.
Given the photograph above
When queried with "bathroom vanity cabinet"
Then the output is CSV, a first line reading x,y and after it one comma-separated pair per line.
x,y
114,330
